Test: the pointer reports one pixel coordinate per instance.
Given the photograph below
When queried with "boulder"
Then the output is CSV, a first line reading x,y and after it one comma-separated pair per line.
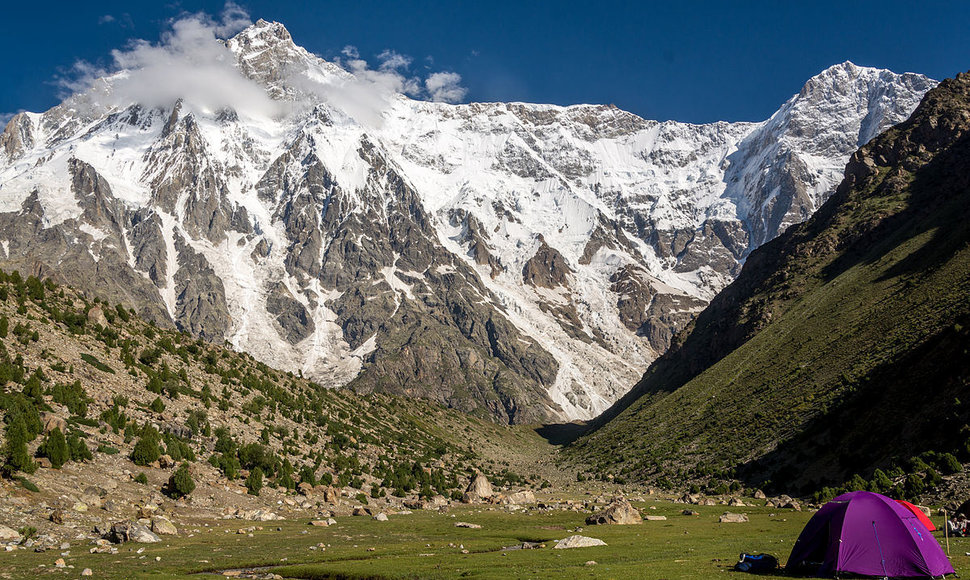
x,y
577,542
305,489
8,534
732,518
362,511
690,513
467,525
470,497
51,421
57,517
758,494
163,527
96,316
381,517
320,523
618,512
736,502
480,486
122,532
655,518
521,497
166,462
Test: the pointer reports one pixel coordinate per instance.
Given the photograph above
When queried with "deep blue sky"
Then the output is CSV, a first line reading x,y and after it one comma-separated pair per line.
x,y
688,61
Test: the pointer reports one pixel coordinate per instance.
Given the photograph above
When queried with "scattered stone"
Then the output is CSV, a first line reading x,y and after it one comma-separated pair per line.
x,y
519,498
655,518
467,525
758,494
164,527
320,523
305,489
590,563
80,507
690,512
732,518
736,502
577,542
122,532
87,572
9,534
619,512
60,563
381,517
56,517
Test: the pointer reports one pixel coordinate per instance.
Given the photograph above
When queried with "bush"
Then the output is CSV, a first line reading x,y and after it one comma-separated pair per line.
x,y
91,360
55,448
108,450
141,478
78,449
157,405
28,485
254,483
71,396
16,456
180,484
146,449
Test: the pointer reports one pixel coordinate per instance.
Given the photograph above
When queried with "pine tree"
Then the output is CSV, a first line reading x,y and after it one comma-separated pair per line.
x,y
16,456
180,484
54,448
254,482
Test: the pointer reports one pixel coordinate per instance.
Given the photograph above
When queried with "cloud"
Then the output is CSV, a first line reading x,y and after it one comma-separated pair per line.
x,y
445,87
189,62
106,19
391,61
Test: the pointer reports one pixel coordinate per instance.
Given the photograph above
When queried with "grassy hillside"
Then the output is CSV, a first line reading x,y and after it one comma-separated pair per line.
x,y
842,346
118,388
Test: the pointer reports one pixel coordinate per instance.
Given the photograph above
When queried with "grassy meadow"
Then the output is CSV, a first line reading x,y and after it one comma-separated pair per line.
x,y
427,544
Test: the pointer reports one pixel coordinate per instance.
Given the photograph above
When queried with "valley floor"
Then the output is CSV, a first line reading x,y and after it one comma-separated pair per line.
x,y
427,544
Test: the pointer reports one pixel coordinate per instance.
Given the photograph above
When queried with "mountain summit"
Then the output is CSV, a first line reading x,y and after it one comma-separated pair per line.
x,y
522,262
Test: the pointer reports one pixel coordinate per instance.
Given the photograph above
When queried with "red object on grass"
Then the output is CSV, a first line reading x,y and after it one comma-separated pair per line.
x,y
918,513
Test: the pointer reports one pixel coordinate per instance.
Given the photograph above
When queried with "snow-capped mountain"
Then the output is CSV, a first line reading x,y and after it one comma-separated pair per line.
x,y
516,260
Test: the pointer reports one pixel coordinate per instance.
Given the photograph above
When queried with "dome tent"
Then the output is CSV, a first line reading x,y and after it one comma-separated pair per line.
x,y
868,534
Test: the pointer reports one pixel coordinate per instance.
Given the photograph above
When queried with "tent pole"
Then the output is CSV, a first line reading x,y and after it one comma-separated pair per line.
x,y
946,532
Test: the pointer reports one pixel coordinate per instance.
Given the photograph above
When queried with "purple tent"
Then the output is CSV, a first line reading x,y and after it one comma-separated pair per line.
x,y
869,534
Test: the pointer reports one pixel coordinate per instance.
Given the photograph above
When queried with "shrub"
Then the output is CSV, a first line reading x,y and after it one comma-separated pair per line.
x,y
71,396
55,448
16,456
254,483
141,478
28,485
180,484
91,360
108,450
146,449
157,405
78,449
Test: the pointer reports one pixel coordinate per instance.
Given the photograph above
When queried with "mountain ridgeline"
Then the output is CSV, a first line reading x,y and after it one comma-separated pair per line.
x,y
841,349
519,262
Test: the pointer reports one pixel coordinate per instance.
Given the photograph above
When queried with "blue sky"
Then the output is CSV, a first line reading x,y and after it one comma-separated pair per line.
x,y
688,61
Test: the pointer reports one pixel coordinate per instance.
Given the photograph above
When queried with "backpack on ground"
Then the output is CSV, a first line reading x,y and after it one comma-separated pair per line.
x,y
756,563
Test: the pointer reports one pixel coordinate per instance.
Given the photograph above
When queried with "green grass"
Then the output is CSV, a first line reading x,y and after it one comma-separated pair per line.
x,y
417,546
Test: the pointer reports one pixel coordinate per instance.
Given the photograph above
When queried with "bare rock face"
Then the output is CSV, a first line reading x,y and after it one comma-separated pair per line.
x,y
547,268
480,486
295,323
618,512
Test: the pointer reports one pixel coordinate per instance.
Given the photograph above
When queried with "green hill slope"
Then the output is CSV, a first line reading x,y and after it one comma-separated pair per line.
x,y
842,346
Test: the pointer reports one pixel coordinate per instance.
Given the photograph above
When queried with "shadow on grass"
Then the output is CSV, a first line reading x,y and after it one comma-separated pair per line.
x,y
562,433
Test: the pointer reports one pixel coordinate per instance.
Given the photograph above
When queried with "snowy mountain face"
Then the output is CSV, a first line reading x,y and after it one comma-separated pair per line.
x,y
522,262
